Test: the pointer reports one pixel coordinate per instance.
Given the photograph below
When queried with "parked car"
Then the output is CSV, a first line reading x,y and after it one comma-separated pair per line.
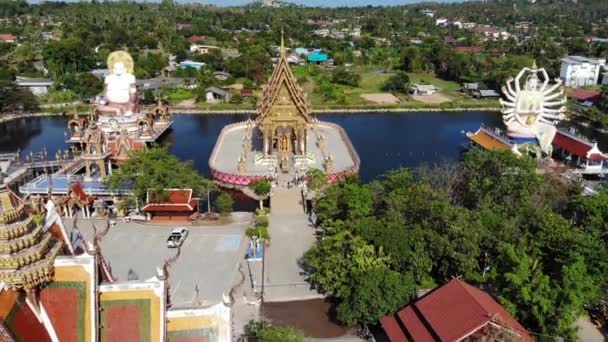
x,y
177,237
135,217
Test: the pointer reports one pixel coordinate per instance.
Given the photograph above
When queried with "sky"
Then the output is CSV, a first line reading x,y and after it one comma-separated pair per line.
x,y
313,3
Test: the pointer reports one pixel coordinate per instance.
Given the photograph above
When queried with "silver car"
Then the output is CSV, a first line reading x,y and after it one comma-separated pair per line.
x,y
177,237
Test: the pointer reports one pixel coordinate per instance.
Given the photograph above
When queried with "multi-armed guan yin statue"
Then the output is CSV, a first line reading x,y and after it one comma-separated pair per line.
x,y
531,113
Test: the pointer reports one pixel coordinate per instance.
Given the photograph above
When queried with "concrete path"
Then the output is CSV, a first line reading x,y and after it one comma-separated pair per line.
x,y
291,235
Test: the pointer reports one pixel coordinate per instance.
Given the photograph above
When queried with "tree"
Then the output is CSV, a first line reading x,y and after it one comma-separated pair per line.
x,y
67,56
84,84
336,259
342,76
156,169
375,294
317,179
264,332
398,82
224,203
13,99
262,189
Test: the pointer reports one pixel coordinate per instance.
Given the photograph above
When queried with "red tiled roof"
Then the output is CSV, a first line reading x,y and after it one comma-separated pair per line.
x,y
119,147
23,323
469,49
61,304
7,37
586,95
449,313
195,38
123,323
578,146
178,200
79,192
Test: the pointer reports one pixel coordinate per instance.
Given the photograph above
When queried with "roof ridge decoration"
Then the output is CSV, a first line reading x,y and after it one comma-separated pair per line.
x,y
282,75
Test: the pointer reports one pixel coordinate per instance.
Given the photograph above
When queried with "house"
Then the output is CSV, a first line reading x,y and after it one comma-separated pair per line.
x,y
441,22
322,32
317,58
486,94
468,49
470,87
585,156
455,311
38,86
468,26
100,73
195,39
293,59
183,26
7,38
171,205
190,64
423,89
583,96
427,12
202,49
215,94
221,75
579,71
246,92
605,78
491,33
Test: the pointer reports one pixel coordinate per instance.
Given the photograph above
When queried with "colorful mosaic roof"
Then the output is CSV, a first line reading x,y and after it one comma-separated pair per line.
x,y
27,251
199,325
18,318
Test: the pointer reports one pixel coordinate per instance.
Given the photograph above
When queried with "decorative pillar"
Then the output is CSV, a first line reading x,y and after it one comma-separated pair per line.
x,y
109,167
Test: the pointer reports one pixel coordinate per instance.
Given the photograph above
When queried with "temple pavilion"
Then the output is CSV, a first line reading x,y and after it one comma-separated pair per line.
x,y
284,141
55,286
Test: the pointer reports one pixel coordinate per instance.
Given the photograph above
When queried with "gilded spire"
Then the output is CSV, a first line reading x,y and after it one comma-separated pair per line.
x,y
282,43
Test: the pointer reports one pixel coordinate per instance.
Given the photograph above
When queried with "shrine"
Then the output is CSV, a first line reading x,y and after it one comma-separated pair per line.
x,y
117,124
284,141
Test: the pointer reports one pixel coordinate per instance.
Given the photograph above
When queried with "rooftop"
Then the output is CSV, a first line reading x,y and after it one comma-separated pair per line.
x,y
450,312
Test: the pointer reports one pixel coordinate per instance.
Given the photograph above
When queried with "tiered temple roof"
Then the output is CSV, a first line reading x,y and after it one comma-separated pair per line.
x,y
282,79
27,251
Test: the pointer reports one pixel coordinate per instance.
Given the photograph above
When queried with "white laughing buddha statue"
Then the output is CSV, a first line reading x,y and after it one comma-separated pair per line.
x,y
120,95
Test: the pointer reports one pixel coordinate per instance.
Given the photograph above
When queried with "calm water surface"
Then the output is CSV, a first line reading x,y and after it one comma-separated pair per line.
x,y
383,141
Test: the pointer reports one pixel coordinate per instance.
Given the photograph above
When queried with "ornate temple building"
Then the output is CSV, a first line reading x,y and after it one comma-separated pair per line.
x,y
57,287
284,141
116,125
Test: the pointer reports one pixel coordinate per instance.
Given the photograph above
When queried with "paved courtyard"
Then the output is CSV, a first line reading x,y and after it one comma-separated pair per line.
x,y
205,270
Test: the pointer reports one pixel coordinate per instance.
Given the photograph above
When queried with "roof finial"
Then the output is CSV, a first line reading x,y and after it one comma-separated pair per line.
x,y
282,43
534,65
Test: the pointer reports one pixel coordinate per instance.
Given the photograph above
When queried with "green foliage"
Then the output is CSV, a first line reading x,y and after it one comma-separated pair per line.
x,y
261,187
261,232
68,55
317,179
84,84
60,96
375,294
156,169
398,82
343,76
13,99
179,94
492,219
336,259
264,332
224,204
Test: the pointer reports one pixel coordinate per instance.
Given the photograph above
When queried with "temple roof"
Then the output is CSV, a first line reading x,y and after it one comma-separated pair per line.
x,y
578,146
489,140
178,200
282,75
11,205
451,312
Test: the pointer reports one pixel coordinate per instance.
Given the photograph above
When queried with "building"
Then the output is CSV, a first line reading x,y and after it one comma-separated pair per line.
x,y
317,58
423,89
284,141
455,311
586,98
221,75
55,286
490,140
38,86
488,32
171,205
190,64
427,12
202,49
583,155
215,94
7,38
183,26
579,71
486,94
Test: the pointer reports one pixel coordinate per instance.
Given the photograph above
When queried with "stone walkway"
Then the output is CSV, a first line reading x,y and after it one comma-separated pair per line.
x,y
291,235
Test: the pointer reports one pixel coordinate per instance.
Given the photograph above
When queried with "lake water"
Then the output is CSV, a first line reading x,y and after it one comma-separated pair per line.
x,y
383,141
